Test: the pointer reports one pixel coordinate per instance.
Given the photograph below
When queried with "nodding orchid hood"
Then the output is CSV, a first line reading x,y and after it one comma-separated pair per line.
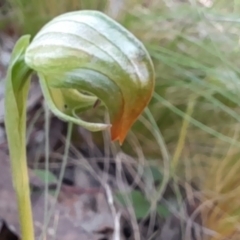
x,y
86,51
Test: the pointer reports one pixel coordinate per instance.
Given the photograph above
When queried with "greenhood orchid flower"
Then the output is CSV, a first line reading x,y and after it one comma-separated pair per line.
x,y
87,51
80,57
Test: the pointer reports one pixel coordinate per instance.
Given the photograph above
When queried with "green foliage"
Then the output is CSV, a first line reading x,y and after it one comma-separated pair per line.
x,y
42,175
138,200
141,205
153,172
163,211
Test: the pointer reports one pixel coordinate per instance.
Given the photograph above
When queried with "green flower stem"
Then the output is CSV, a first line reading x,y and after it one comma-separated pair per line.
x,y
23,199
17,87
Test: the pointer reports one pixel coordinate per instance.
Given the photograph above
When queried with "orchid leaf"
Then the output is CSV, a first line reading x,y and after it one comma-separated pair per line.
x,y
89,52
42,176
